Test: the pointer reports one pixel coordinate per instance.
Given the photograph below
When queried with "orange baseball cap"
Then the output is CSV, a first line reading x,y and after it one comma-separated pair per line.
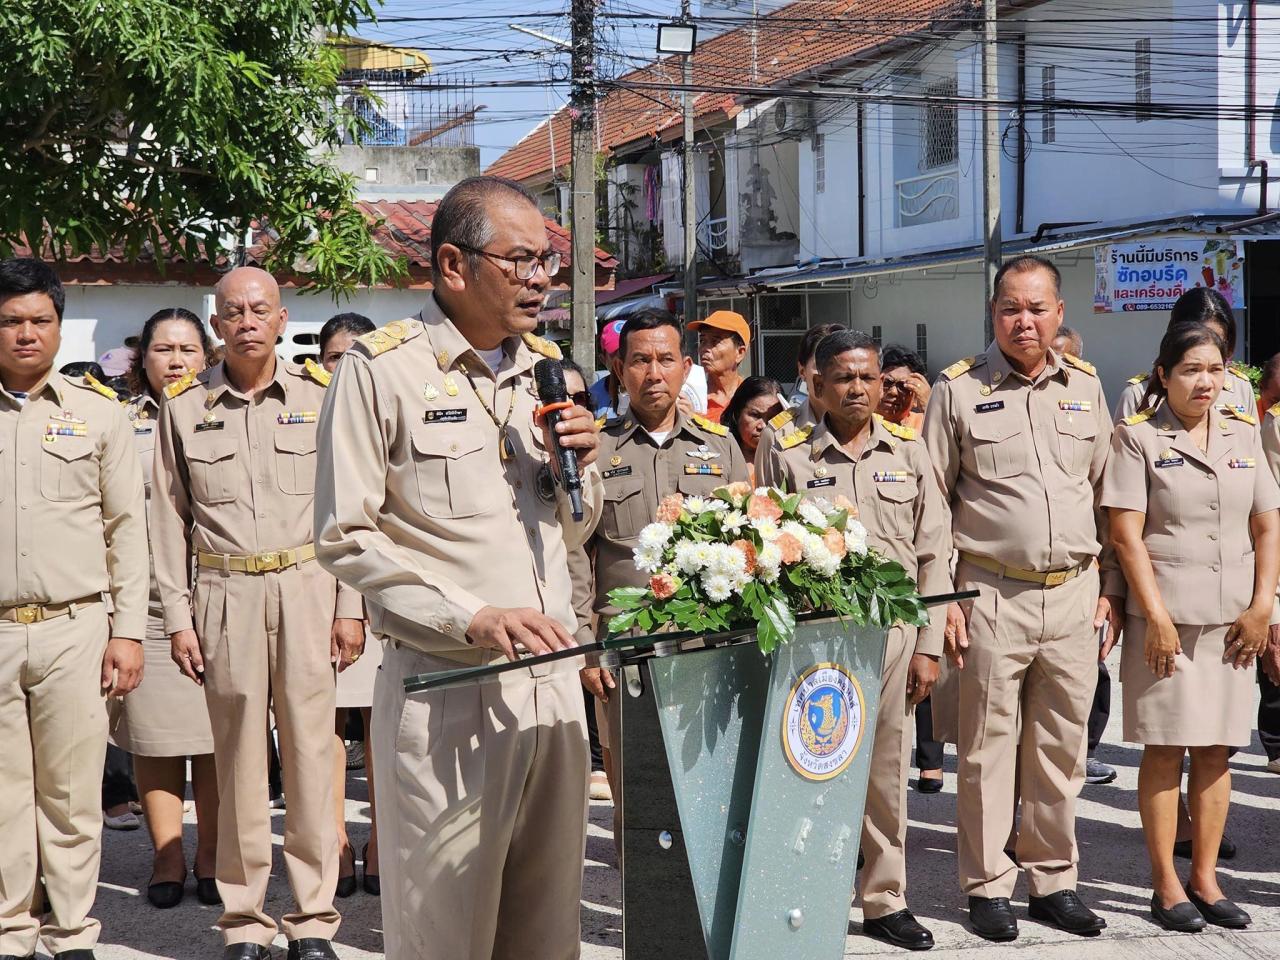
x,y
726,320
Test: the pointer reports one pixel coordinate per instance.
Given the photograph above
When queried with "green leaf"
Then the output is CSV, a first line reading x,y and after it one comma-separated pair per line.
x,y
781,619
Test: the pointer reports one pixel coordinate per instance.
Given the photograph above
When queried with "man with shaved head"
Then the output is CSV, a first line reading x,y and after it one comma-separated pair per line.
x,y
259,624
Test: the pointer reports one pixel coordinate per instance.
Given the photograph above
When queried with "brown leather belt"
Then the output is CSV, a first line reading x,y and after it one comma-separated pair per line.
x,y
257,562
39,612
1054,578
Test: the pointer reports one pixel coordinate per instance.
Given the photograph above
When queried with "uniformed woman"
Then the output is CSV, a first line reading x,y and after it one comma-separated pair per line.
x,y
161,723
1195,522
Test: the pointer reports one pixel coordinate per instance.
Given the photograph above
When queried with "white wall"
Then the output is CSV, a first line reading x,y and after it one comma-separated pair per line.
x,y
829,220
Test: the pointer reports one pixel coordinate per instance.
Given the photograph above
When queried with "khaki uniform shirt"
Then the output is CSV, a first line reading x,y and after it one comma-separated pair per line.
x,y
144,414
893,487
1020,462
416,506
71,502
1197,505
783,425
1237,392
697,456
234,475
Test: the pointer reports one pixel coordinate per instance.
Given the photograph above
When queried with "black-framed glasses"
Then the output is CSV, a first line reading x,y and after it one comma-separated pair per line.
x,y
890,385
525,266
582,399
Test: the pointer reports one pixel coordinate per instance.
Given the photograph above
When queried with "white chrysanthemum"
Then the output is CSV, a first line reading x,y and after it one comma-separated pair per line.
x,y
733,521
812,515
648,558
686,557
704,553
717,588
825,505
767,529
769,563
762,491
696,505
740,582
817,556
655,535
717,506
726,561
855,537
797,530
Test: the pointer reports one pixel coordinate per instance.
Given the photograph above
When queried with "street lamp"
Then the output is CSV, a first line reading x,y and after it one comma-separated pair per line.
x,y
677,38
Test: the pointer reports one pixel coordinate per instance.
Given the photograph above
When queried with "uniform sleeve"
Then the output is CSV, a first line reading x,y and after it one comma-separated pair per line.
x,y
1112,577
770,470
171,525
124,521
940,441
737,463
1130,397
355,429
933,550
1124,482
578,532
1271,444
1266,494
582,578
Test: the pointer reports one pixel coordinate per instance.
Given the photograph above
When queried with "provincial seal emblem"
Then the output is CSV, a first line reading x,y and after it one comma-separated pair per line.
x,y
822,727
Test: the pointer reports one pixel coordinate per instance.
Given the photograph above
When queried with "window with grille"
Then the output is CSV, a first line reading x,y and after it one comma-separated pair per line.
x,y
1142,79
938,140
877,334
819,163
922,342
1048,93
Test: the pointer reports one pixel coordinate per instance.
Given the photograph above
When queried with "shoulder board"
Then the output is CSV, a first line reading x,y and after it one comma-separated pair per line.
x,y
719,429
959,367
897,429
1239,414
1138,418
796,437
544,347
1139,378
316,372
98,387
388,337
179,386
782,419
1274,410
1240,372
600,422
1079,364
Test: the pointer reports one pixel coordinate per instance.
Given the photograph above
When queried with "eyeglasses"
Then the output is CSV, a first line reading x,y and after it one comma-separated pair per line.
x,y
582,399
525,266
891,385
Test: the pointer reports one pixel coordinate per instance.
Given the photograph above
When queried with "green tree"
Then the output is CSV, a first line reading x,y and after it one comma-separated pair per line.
x,y
164,124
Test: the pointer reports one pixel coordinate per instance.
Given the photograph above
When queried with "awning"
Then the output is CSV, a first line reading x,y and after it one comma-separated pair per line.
x,y
627,288
625,308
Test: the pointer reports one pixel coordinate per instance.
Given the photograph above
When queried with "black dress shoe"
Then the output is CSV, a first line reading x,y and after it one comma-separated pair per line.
x,y
311,948
370,881
1065,911
246,951
928,785
1224,913
1181,917
992,918
74,955
13,956
900,929
1226,849
207,891
166,894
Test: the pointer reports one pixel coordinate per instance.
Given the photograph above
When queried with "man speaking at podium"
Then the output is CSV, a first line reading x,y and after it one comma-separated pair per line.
x,y
438,498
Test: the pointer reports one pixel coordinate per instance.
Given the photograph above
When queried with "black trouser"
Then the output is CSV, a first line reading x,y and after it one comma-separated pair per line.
x,y
1101,711
1269,716
117,778
928,750
593,733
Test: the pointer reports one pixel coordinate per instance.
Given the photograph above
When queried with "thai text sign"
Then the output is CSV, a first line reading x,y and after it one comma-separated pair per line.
x,y
1152,274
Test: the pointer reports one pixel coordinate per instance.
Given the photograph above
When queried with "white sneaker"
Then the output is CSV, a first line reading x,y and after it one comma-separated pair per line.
x,y
126,821
1274,766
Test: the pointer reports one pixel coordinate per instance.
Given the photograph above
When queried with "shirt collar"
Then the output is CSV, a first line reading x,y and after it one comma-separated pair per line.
x,y
218,384
449,344
630,427
1000,370
54,382
824,437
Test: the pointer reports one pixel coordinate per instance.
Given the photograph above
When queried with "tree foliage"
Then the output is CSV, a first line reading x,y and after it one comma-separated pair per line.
x,y
163,124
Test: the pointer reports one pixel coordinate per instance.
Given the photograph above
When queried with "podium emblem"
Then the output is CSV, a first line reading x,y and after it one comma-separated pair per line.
x,y
823,724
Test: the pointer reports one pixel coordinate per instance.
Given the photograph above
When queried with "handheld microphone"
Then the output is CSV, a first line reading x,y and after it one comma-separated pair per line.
x,y
549,377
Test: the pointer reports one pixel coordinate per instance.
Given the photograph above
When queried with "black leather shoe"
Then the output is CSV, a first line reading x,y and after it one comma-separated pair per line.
x,y
74,955
207,891
1224,913
1065,911
992,918
928,785
246,951
1181,917
370,881
11,956
311,948
1226,849
165,895
900,929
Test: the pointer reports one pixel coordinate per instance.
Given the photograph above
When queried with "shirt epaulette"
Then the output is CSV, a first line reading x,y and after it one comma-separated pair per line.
x,y
796,437
179,386
897,429
782,419
1242,415
600,422
719,429
1240,372
539,345
98,386
377,342
959,367
1079,364
1274,410
1139,378
316,372
1139,417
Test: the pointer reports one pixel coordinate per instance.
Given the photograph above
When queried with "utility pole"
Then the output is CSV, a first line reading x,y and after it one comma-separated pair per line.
x,y
990,161
583,114
690,203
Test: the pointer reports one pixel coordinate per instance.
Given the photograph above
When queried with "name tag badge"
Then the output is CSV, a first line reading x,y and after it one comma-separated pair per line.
x,y
617,472
821,482
1242,463
1169,462
455,415
141,428
703,470
209,425
989,406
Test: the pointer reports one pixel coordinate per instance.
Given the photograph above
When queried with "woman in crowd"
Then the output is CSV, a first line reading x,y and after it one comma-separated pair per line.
x,y
754,403
355,684
1202,571
161,723
905,387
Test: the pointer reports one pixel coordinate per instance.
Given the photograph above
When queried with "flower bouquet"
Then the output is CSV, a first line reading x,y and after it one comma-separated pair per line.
x,y
757,558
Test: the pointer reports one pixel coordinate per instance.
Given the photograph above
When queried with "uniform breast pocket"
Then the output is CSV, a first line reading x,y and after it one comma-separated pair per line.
x,y
68,470
1076,437
895,509
698,485
625,511
214,469
998,447
458,473
296,459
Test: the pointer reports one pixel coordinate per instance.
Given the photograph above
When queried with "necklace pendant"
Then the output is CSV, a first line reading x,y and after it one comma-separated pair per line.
x,y
506,449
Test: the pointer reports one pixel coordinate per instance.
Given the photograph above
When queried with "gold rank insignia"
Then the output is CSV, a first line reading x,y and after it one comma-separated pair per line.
x,y
985,390
1241,414
442,358
897,429
719,429
388,337
178,386
959,367
92,383
1138,418
1140,378
316,372
544,347
450,387
1082,365
615,460
430,393
795,438
782,419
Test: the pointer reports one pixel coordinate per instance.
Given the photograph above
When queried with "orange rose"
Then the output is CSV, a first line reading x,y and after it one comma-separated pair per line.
x,y
663,585
748,550
792,549
844,503
763,508
739,492
834,540
670,507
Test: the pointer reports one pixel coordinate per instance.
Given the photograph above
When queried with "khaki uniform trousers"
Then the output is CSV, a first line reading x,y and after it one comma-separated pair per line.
x,y
53,727
1033,654
883,879
265,642
482,811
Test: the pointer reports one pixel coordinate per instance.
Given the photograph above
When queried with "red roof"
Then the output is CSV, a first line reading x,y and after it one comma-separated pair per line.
x,y
798,39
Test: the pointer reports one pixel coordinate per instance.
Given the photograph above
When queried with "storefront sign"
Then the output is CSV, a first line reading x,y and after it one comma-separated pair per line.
x,y
1151,275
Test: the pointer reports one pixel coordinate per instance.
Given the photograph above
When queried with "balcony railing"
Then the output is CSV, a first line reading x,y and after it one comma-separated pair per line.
x,y
929,198
713,235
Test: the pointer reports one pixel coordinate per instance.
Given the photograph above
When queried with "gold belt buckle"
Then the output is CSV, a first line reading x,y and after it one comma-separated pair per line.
x,y
1057,578
264,562
28,614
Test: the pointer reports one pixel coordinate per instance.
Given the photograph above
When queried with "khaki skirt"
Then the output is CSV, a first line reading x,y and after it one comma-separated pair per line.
x,y
355,684
1205,703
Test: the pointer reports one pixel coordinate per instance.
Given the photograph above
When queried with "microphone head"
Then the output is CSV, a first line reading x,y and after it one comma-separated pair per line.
x,y
548,375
